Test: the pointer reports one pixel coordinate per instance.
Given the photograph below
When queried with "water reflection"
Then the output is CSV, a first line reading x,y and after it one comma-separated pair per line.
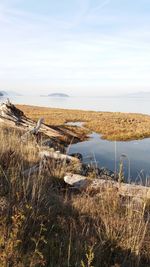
x,y
135,156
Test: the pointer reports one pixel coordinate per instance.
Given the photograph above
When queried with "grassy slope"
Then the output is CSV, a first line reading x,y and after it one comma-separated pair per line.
x,y
112,126
44,224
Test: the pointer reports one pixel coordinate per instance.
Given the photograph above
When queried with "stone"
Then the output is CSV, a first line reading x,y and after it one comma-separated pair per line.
x,y
76,181
77,155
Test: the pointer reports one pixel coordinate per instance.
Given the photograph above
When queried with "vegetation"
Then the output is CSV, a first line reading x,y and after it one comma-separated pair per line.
x,y
43,223
111,125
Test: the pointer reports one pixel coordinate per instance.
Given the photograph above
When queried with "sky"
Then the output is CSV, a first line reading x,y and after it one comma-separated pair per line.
x,y
92,47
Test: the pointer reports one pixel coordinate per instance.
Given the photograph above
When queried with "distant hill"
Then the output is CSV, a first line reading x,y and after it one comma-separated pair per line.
x,y
138,94
10,93
4,93
58,95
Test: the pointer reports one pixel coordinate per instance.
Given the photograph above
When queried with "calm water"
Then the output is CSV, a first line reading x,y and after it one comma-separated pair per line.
x,y
134,154
105,153
140,105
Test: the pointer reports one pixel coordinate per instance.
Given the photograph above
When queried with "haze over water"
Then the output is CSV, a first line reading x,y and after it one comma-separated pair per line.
x,y
115,104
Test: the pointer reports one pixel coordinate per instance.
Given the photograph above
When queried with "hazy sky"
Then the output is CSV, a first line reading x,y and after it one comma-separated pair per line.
x,y
75,46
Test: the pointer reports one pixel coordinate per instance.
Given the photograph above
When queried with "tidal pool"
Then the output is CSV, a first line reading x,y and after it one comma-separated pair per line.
x,y
135,156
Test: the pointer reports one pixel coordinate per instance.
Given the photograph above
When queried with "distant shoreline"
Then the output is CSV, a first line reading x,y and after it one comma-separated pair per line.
x,y
111,125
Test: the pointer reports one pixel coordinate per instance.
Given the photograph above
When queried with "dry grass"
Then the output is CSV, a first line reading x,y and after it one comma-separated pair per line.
x,y
44,224
112,125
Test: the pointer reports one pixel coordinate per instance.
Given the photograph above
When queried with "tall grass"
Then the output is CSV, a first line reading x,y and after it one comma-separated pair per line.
x,y
43,223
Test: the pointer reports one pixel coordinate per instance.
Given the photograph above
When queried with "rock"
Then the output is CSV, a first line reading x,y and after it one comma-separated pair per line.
x,y
105,171
98,173
77,155
76,181
107,174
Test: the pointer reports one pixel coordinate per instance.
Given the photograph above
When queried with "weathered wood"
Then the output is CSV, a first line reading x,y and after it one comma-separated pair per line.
x,y
57,156
10,112
37,127
33,130
14,117
127,190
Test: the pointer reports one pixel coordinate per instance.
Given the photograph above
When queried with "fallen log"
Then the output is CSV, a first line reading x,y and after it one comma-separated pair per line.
x,y
57,156
10,115
10,112
96,185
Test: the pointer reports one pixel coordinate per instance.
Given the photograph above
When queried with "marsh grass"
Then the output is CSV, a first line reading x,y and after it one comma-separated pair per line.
x,y
43,223
112,125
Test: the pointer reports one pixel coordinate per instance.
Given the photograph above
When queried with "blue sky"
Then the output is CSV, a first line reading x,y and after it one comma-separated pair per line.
x,y
97,47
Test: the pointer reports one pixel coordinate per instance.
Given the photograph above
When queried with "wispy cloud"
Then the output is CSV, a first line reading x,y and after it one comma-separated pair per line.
x,y
101,5
92,48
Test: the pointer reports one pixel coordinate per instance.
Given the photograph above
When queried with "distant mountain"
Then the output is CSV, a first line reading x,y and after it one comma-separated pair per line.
x,y
58,95
138,94
4,93
10,93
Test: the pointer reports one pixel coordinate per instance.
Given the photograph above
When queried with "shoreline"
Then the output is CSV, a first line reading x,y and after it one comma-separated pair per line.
x,y
112,126
58,137
45,196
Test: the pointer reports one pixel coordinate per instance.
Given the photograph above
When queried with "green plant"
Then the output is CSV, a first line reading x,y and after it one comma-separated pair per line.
x,y
89,258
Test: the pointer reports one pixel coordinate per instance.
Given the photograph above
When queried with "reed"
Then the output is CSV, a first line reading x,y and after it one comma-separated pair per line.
x,y
43,223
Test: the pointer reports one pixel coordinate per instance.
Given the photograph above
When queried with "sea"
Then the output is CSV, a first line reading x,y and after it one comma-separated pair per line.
x,y
118,104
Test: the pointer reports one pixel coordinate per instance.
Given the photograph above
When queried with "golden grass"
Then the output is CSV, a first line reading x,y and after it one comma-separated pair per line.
x,y
111,125
44,224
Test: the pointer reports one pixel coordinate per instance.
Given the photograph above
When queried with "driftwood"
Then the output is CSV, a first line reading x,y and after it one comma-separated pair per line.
x,y
10,112
38,126
14,117
96,185
57,156
34,130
